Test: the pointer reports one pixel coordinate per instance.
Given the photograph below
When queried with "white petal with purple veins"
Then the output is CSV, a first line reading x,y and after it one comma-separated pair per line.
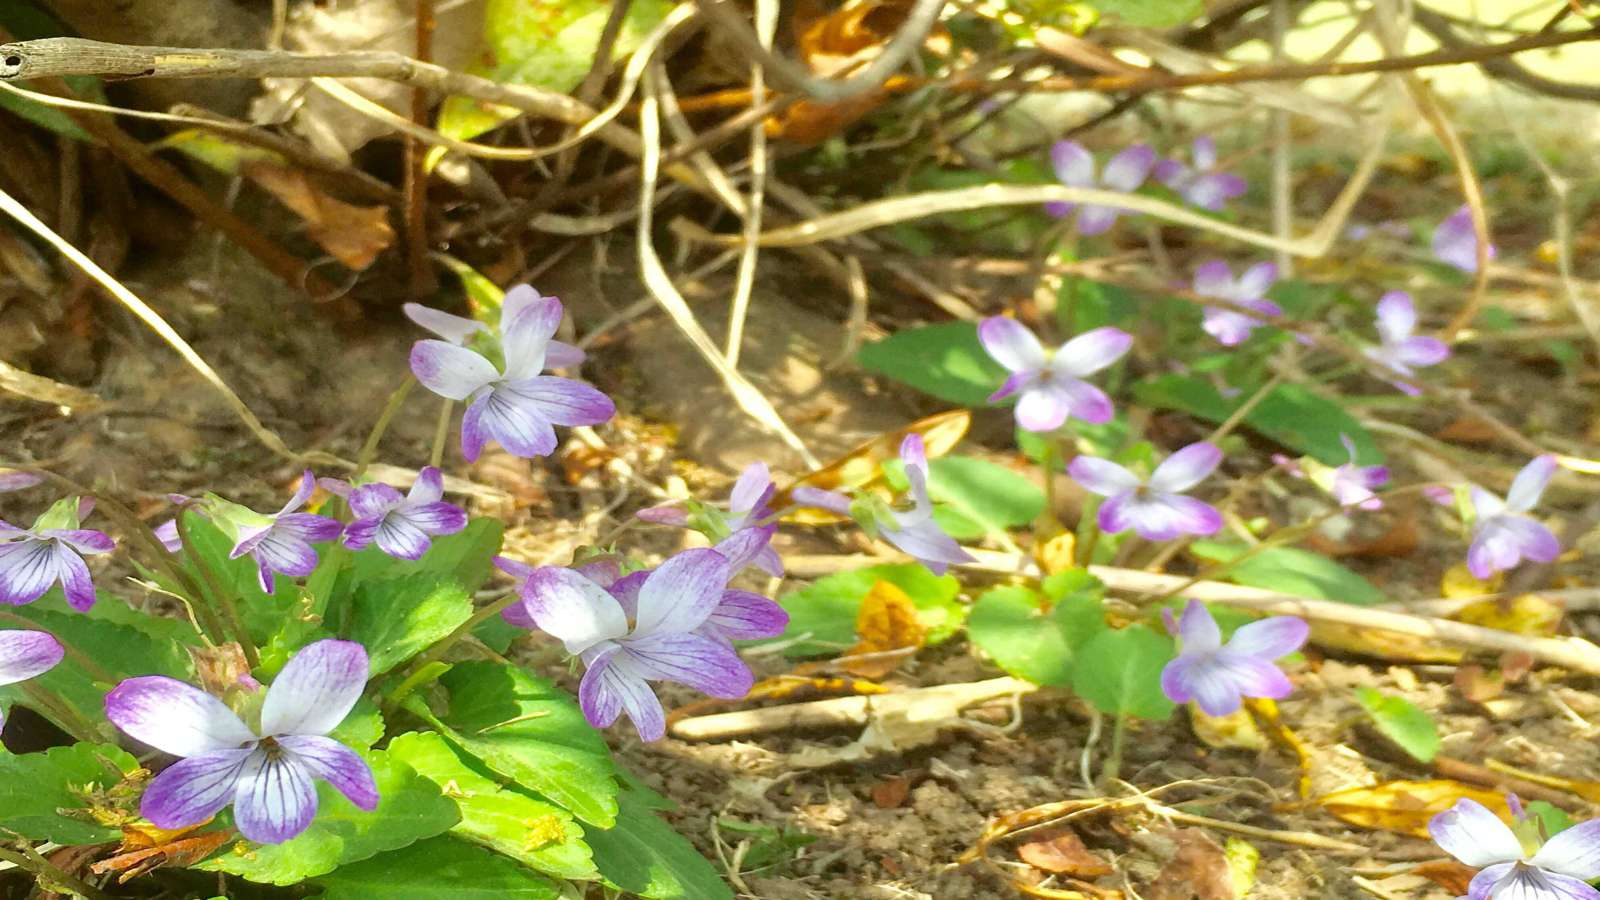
x,y
1102,476
285,553
572,609
753,488
308,527
83,540
1198,630
681,592
746,616
429,486
174,717
302,493
928,543
1185,468
609,689
742,547
436,518
525,333
316,689
1474,835
27,654
564,401
1255,281
373,500
817,498
193,790
703,663
450,371
1159,517
1420,351
27,569
401,539
1011,344
338,765
276,799
76,582
512,419
1574,852
1091,351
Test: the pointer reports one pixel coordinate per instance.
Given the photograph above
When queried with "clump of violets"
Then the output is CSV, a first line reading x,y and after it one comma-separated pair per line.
x,y
748,506
510,403
25,655
1513,864
913,531
1075,167
267,772
402,526
635,629
1217,676
1503,533
1155,508
1201,183
280,543
1455,242
1402,349
32,560
1230,327
1049,384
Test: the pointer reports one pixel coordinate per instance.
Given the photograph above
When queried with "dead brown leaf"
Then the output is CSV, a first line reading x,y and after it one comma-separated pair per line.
x,y
1448,874
1061,851
1406,806
146,847
221,668
353,235
891,794
1474,430
1199,871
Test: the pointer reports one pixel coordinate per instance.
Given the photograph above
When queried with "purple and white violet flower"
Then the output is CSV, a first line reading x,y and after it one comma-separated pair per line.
x,y
512,403
1049,384
268,772
1352,485
1213,278
1155,508
913,531
1561,869
1202,184
1075,167
279,543
401,526
643,627
51,552
1455,242
1504,534
748,505
1402,349
1216,676
461,330
25,655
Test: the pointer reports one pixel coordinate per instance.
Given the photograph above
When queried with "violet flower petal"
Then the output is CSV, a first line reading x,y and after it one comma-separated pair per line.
x,y
1185,468
1529,485
1074,166
450,371
572,609
1043,407
1102,476
608,689
1128,169
193,790
704,663
746,616
681,593
1472,834
373,500
316,689
276,799
1198,630
1574,852
563,401
174,717
1090,352
76,582
453,328
1011,344
27,654
525,333
1270,638
338,765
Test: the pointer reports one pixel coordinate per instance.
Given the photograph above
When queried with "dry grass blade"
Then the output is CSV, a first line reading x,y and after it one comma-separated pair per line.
x,y
36,387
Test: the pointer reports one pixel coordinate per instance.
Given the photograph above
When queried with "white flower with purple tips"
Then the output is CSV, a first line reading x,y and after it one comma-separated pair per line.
x,y
1075,167
1504,534
401,526
1049,384
1456,243
913,531
1155,508
643,627
1559,870
1202,184
748,506
1214,279
1352,485
280,543
268,773
1402,349
512,404
1217,676
51,552
25,655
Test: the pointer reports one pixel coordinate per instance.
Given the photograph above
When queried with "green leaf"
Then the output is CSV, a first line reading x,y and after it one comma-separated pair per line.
x,y
1027,639
1400,721
397,619
643,855
435,869
466,557
411,808
115,652
1552,819
362,728
507,819
945,360
980,498
1150,13
542,43
39,791
1290,570
532,732
1120,673
264,614
825,611
1288,414
1091,304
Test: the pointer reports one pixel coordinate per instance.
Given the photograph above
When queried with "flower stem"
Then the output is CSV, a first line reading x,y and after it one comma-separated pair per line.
x,y
437,651
369,450
441,432
1119,735
49,873
221,598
